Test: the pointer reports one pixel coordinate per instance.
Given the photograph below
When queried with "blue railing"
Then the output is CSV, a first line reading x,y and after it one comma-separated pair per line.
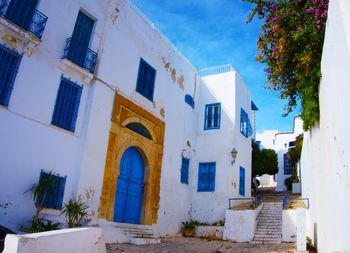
x,y
285,201
82,56
255,201
23,16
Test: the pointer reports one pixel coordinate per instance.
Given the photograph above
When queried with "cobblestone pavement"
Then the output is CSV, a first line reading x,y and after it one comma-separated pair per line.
x,y
195,245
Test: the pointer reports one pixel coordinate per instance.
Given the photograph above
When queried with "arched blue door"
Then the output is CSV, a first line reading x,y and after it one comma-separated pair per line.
x,y
128,200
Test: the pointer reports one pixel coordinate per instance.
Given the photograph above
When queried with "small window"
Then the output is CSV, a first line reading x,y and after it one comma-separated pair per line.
x,y
212,116
67,105
292,144
246,127
241,181
206,177
145,80
54,195
189,100
287,166
9,63
184,170
139,129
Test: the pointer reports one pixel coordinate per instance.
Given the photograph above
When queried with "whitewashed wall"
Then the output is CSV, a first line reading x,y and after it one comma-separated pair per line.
x,y
281,147
30,143
326,153
216,145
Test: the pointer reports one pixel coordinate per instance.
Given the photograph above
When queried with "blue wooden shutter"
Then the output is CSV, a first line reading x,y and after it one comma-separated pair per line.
x,y
81,39
184,170
54,199
202,177
9,64
211,177
241,181
21,12
67,105
287,166
189,100
146,80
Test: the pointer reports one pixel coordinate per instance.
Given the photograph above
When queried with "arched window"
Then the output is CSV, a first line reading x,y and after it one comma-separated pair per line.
x,y
140,129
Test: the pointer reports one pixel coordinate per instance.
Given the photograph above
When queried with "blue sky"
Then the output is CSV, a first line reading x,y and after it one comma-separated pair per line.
x,y
214,32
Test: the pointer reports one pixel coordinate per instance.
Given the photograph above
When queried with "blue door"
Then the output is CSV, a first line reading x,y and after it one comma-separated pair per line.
x,y
241,181
128,200
81,38
21,12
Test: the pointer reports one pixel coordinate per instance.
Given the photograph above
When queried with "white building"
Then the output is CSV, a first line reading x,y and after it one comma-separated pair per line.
x,y
325,156
281,142
92,91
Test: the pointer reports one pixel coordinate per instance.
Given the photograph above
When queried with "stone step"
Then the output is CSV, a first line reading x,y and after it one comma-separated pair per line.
x,y
258,241
268,230
267,233
144,241
269,224
275,236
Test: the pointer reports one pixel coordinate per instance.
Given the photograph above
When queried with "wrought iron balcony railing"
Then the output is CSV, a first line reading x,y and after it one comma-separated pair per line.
x,y
24,16
80,55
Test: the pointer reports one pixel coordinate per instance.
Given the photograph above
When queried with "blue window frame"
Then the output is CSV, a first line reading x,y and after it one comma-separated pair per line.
x,y
54,198
189,100
146,80
245,127
241,181
287,166
184,170
212,116
206,177
67,105
9,63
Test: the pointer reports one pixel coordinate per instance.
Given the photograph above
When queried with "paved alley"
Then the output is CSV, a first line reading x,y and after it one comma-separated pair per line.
x,y
195,245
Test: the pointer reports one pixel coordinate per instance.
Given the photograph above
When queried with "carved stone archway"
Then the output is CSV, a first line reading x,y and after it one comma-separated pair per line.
x,y
121,138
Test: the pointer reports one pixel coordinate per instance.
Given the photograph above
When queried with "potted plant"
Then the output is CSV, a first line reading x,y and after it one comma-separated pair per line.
x,y
188,228
75,212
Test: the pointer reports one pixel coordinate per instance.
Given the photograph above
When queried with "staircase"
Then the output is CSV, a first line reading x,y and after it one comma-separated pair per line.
x,y
137,234
269,227
141,235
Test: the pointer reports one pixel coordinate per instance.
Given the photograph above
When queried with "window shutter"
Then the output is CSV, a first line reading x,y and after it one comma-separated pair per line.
x,y
211,177
202,177
184,170
54,198
77,93
61,183
67,105
146,80
241,181
9,64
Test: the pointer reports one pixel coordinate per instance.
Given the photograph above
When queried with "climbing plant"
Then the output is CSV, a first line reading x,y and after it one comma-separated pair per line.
x,y
290,44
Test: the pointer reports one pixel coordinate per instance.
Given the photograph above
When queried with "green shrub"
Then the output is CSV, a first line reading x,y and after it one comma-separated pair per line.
x,y
75,212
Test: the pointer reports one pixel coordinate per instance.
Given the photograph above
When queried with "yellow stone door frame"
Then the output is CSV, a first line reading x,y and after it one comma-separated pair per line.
x,y
120,139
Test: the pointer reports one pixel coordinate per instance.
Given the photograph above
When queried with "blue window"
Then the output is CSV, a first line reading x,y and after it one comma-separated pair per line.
x,y
67,105
145,80
206,177
189,100
287,167
77,47
184,170
9,63
54,197
212,116
24,14
246,127
241,181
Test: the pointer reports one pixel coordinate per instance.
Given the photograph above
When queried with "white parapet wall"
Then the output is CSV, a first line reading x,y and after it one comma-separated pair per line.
x,y
240,224
209,231
289,224
77,240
